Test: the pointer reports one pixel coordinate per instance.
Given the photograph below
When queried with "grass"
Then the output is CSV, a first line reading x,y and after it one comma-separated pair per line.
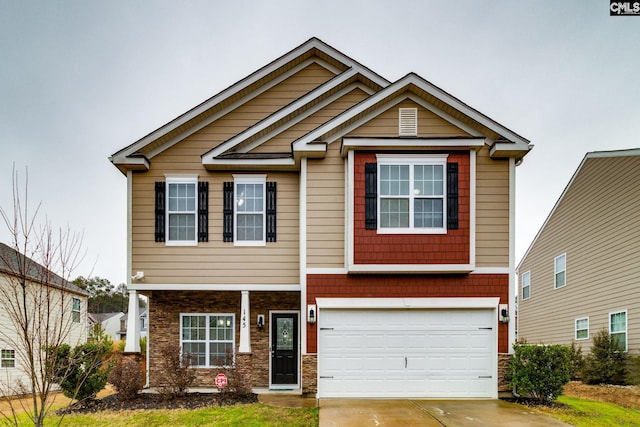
x,y
241,415
590,413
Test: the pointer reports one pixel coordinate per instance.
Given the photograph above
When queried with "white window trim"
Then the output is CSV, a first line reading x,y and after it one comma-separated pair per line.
x,y
430,159
15,360
73,310
528,274
181,179
626,327
207,340
250,179
576,329
555,272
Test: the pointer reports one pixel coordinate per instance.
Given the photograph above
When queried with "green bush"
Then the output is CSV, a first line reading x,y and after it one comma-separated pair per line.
x,y
539,371
606,363
80,371
576,361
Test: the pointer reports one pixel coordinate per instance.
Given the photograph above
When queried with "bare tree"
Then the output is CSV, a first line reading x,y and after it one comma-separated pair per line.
x,y
39,302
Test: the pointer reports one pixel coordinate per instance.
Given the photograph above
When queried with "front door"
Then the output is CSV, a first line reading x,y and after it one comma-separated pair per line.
x,y
284,348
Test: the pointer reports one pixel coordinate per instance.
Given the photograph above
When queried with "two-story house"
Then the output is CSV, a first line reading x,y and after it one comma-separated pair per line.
x,y
581,272
328,231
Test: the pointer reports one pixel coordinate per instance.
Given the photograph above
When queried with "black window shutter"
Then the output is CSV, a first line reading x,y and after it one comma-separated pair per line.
x,y
452,196
160,211
271,211
370,196
203,211
227,212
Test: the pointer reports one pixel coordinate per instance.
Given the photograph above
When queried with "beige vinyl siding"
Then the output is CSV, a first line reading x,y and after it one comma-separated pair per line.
x,y
492,210
215,261
326,210
386,124
598,227
247,115
282,142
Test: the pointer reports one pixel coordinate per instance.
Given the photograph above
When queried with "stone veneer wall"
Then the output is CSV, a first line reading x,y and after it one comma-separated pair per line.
x,y
165,308
503,366
309,374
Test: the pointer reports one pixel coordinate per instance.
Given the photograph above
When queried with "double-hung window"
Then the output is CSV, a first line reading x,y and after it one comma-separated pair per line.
x,y
181,210
618,328
582,328
560,271
76,307
526,284
7,358
250,218
208,339
412,193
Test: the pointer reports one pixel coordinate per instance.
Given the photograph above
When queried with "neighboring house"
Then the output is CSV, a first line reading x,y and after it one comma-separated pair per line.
x,y
581,273
115,324
56,306
332,232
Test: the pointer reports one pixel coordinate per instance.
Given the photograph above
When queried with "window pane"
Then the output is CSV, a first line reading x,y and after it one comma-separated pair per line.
x,y
428,180
250,227
428,213
560,279
582,334
250,198
561,263
394,213
182,226
618,322
196,352
394,180
525,292
194,328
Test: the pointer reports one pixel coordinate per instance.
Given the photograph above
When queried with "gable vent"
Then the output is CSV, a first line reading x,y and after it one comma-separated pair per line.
x,y
408,123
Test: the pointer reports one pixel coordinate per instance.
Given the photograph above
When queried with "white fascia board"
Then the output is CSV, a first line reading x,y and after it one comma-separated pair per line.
x,y
410,268
287,163
213,287
411,143
407,303
509,149
491,270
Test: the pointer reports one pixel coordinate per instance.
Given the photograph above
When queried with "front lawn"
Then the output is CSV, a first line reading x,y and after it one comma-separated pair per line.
x,y
589,413
241,415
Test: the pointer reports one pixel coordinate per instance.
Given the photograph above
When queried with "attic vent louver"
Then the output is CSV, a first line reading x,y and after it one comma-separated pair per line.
x,y
408,122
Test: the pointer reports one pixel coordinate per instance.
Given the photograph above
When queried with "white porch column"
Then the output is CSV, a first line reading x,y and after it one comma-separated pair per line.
x,y
245,324
133,331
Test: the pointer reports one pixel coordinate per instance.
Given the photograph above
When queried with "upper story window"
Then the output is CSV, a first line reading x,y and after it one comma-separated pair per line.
x,y
7,358
618,328
582,328
181,211
249,210
526,284
560,271
76,307
412,194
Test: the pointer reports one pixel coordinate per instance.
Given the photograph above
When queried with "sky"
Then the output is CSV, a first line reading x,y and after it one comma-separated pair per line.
x,y
79,80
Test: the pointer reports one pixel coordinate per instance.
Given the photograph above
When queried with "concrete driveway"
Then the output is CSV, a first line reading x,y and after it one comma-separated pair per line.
x,y
450,413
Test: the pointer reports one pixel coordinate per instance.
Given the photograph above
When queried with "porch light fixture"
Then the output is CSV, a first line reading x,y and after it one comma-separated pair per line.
x,y
260,321
504,313
311,313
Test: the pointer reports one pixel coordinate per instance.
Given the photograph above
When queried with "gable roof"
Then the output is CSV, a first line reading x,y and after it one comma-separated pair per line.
x,y
601,155
236,151
131,157
13,263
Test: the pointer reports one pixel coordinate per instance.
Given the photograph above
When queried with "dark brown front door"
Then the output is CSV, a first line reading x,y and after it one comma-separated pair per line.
x,y
284,348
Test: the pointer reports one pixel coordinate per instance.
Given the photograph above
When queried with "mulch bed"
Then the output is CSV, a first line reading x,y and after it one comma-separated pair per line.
x,y
156,401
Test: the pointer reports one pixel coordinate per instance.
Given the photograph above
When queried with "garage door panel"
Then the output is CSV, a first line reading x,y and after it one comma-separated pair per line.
x,y
406,353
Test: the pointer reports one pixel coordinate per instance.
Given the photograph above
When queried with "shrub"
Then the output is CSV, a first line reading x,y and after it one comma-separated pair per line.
x,y
176,370
81,371
606,363
576,361
127,378
539,371
143,347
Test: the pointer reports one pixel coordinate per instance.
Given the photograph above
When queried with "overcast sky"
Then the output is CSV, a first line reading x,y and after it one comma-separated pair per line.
x,y
80,80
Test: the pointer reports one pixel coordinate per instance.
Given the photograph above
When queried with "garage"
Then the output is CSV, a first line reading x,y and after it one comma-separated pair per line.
x,y
414,349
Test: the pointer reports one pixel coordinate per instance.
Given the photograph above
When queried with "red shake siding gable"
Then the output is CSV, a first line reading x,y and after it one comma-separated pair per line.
x,y
408,286
373,248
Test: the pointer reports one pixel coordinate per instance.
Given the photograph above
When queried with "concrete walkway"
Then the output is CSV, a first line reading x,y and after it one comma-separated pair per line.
x,y
450,413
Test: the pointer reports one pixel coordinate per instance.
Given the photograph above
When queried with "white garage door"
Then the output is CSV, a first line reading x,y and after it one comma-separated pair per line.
x,y
407,353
